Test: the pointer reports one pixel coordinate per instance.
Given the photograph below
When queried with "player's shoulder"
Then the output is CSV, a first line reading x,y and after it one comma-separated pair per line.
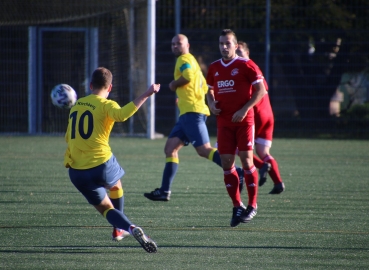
x,y
241,60
216,62
110,103
187,60
245,61
187,57
251,63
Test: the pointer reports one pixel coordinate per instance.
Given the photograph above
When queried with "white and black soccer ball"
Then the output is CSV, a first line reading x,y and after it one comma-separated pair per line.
x,y
63,96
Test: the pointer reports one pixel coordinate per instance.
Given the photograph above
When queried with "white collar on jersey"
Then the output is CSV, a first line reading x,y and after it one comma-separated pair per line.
x,y
234,59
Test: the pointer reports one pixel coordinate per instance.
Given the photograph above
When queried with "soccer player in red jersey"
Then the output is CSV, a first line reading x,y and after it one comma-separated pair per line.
x,y
236,85
264,126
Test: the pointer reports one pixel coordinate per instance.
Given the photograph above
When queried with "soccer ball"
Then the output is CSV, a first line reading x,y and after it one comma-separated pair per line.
x,y
63,96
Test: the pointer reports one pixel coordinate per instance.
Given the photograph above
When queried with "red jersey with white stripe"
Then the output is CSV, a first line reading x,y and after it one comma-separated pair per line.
x,y
232,84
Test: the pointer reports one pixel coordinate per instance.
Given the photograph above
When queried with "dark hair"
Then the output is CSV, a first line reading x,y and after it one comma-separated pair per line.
x,y
101,78
244,44
226,32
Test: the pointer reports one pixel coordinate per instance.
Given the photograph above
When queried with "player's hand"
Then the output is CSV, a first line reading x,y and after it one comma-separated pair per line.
x,y
213,108
153,89
239,116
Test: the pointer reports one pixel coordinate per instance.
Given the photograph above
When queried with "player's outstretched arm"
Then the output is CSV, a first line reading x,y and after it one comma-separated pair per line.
x,y
153,89
121,114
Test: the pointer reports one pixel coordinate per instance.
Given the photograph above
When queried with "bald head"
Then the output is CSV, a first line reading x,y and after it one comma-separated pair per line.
x,y
180,45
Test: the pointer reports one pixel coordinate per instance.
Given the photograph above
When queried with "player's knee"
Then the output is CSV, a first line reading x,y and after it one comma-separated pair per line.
x,y
170,152
117,186
173,145
226,165
247,163
103,207
262,155
262,150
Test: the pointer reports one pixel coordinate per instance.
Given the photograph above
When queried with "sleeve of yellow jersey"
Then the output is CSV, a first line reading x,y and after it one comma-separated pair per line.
x,y
121,114
186,71
117,113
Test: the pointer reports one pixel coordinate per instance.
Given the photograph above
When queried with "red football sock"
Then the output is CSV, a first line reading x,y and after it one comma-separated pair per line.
x,y
251,180
231,182
257,162
274,171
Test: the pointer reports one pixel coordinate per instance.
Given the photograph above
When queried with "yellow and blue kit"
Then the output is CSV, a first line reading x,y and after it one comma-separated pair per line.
x,y
191,95
90,123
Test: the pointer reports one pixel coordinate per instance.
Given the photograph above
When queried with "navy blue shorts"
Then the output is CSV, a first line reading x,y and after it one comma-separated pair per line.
x,y
92,183
191,128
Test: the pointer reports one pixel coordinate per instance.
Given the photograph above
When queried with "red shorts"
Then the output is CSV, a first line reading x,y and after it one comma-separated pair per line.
x,y
264,122
264,126
231,138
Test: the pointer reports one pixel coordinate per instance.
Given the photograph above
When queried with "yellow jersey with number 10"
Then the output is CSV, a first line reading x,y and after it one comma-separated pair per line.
x,y
90,123
191,96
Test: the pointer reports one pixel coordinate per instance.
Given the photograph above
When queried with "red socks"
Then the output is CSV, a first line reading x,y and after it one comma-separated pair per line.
x,y
257,162
231,182
274,171
251,181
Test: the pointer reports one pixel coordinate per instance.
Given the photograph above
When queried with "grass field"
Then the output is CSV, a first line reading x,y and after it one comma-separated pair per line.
x,y
321,221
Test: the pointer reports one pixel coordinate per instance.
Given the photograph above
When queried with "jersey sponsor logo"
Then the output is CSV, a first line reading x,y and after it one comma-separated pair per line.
x,y
88,104
234,72
216,74
225,83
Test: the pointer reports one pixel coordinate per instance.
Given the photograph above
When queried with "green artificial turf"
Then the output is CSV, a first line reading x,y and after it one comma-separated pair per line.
x,y
321,221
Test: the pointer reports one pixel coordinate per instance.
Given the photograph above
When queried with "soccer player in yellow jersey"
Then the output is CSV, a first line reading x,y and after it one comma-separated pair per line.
x,y
92,165
190,87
